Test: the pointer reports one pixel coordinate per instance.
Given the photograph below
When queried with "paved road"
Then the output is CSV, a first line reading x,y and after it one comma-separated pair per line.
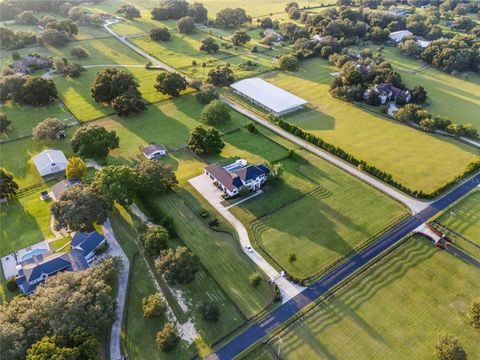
x,y
213,195
123,39
115,250
278,316
415,206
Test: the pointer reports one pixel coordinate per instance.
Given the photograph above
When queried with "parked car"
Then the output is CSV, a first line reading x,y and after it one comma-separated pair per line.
x,y
248,248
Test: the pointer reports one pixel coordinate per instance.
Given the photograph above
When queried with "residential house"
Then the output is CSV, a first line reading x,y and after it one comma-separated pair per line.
x,y
39,268
154,151
59,188
230,179
388,92
268,32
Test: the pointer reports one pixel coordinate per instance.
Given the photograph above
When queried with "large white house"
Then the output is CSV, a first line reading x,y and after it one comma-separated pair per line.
x,y
268,96
50,162
231,178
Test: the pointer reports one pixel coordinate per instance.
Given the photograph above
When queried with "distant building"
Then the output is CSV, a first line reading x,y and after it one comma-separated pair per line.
x,y
398,36
38,268
268,32
154,151
388,92
231,178
423,43
29,64
268,96
50,162
59,188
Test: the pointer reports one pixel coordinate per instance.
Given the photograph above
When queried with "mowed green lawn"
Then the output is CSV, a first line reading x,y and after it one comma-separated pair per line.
x,y
24,118
16,157
464,217
75,93
394,311
318,213
416,159
451,96
25,221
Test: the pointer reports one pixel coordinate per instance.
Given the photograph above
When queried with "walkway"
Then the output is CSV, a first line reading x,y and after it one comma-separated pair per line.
x,y
115,250
415,206
213,195
280,315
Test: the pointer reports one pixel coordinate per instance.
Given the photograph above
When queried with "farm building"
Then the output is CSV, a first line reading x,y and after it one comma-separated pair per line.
x,y
50,162
268,96
154,151
398,36
232,177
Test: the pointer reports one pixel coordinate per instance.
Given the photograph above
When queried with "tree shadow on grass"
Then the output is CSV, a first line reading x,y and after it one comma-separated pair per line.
x,y
347,303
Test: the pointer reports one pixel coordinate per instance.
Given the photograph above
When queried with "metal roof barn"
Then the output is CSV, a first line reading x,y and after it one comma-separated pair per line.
x,y
268,96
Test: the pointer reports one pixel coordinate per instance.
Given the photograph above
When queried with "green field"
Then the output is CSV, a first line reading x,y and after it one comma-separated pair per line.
x,y
16,158
182,50
24,118
451,96
25,221
394,311
376,139
75,93
464,217
333,214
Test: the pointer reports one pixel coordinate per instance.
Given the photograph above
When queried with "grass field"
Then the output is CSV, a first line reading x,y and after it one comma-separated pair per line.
x,y
464,217
333,212
182,50
16,158
451,96
75,93
24,118
396,310
380,141
25,221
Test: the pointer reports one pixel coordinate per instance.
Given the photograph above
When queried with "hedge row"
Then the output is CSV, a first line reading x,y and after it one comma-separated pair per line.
x,y
473,167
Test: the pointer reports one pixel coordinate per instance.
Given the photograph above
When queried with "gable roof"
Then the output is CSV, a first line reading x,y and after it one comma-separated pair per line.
x,y
59,188
270,96
152,148
250,172
48,157
87,242
222,175
49,265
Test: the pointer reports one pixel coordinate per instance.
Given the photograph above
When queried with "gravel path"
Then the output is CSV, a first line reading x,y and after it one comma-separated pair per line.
x,y
115,250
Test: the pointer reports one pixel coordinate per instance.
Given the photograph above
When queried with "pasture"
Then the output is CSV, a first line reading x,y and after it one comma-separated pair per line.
x,y
395,310
316,212
385,143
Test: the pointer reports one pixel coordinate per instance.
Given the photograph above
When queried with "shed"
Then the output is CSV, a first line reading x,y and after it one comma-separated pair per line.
x,y
398,36
154,151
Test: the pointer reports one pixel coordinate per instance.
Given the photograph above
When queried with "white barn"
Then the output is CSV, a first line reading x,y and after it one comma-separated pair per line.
x,y
268,96
398,36
50,162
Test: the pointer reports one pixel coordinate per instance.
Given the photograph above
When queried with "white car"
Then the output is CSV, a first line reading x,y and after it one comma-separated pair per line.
x,y
248,248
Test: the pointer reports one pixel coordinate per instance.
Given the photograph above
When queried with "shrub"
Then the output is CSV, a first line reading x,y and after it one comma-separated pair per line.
x,y
209,311
292,258
215,113
207,93
79,52
448,347
251,127
288,62
153,305
12,284
255,279
167,338
474,314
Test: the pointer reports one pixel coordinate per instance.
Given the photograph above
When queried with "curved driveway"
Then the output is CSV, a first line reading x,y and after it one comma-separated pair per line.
x,y
277,317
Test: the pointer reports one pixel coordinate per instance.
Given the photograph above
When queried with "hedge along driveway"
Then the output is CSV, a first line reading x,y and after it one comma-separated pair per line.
x,y
416,159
